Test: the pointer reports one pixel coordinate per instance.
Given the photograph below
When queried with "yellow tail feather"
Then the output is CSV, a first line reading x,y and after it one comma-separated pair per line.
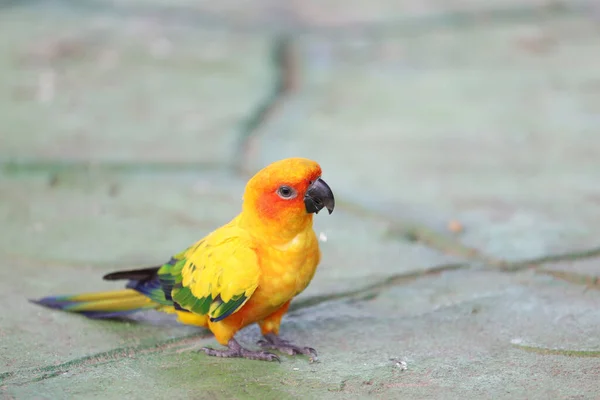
x,y
101,304
109,305
116,294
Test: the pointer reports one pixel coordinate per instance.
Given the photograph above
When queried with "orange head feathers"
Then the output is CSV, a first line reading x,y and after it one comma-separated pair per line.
x,y
285,194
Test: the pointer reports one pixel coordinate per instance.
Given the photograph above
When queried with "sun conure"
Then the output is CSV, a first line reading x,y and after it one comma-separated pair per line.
x,y
244,272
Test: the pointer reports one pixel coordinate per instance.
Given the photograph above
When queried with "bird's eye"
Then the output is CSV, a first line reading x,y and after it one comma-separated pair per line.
x,y
286,192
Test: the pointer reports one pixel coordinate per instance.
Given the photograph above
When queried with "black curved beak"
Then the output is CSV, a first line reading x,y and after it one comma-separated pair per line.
x,y
319,195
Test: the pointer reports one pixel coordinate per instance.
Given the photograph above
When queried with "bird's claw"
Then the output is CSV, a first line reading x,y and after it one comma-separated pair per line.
x,y
274,343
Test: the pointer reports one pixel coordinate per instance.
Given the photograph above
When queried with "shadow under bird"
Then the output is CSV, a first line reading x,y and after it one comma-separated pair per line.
x,y
245,272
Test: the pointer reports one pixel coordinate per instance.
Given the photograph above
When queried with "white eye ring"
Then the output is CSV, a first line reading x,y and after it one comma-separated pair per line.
x,y
286,192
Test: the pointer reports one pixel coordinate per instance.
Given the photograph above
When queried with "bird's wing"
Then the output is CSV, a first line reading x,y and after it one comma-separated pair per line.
x,y
216,276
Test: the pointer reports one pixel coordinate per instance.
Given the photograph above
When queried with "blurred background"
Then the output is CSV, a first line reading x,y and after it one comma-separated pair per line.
x,y
453,133
429,110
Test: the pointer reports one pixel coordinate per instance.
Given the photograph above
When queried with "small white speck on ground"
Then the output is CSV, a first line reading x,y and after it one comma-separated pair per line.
x,y
296,369
400,364
322,237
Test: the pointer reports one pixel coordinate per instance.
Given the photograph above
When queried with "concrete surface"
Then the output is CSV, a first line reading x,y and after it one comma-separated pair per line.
x,y
462,260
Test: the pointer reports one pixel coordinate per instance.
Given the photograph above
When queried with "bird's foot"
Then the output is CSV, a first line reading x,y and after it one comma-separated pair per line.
x,y
236,350
274,342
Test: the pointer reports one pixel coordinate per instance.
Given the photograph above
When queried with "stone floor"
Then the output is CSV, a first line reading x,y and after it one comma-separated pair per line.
x,y
463,259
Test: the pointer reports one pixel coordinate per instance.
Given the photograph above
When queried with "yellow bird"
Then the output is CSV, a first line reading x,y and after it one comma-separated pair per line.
x,y
244,272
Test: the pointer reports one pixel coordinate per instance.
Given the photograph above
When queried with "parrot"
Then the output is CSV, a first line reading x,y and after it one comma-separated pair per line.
x,y
245,272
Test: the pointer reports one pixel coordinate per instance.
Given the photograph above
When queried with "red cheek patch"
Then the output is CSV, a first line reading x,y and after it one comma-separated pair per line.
x,y
272,206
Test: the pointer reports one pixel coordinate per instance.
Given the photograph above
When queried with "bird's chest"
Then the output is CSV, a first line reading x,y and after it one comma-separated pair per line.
x,y
285,273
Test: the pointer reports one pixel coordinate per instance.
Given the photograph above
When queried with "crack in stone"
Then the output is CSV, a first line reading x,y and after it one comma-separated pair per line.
x,y
559,352
553,258
286,81
592,282
372,290
32,166
419,233
413,232
440,242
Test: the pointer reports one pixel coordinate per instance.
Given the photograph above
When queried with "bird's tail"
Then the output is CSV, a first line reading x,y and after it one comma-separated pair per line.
x,y
113,304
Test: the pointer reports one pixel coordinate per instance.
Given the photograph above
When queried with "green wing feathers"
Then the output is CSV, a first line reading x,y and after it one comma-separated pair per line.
x,y
217,278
